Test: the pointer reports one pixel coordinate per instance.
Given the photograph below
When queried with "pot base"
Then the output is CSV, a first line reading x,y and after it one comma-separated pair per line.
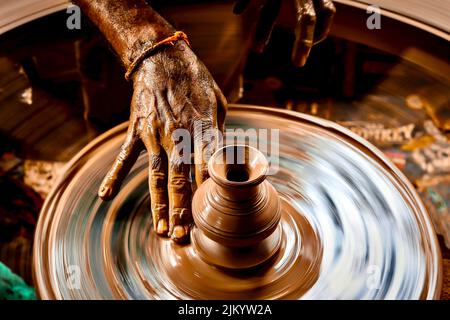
x,y
288,274
357,229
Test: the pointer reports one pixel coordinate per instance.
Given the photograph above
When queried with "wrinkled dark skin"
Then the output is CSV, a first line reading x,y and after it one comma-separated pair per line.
x,y
173,89
314,19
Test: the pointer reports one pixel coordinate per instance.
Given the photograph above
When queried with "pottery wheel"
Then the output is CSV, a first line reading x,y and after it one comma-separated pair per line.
x,y
355,228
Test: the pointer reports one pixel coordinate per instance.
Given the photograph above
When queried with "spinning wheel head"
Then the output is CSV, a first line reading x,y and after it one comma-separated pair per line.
x,y
336,221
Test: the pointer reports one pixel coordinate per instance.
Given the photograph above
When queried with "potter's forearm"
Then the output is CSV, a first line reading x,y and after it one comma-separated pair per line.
x,y
126,24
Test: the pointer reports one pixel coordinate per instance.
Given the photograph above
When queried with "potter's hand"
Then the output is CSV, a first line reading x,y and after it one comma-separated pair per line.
x,y
172,90
314,18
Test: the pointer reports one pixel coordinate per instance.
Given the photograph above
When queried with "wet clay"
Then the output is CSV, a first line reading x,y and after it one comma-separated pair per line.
x,y
248,243
236,212
345,213
172,89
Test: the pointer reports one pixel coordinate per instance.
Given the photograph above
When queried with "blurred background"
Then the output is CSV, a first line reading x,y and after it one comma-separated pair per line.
x,y
60,88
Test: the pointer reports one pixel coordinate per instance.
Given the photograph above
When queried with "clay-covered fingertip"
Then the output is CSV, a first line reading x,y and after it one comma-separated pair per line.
x,y
299,60
300,63
105,193
162,227
180,234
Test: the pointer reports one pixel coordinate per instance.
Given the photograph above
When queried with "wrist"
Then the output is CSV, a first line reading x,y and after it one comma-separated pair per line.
x,y
176,41
143,38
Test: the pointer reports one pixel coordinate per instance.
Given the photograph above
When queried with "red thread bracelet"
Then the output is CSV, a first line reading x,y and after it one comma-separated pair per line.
x,y
178,35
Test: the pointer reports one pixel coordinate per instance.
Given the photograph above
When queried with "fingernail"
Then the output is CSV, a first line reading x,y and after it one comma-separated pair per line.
x,y
104,192
162,227
178,232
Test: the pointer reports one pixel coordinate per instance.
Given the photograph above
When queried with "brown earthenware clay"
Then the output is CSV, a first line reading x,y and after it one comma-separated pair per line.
x,y
333,189
236,211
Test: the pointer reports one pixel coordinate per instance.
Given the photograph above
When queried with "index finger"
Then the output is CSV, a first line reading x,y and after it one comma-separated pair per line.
x,y
304,31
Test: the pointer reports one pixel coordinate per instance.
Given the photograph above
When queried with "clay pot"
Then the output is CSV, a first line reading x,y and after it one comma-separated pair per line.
x,y
120,256
236,211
